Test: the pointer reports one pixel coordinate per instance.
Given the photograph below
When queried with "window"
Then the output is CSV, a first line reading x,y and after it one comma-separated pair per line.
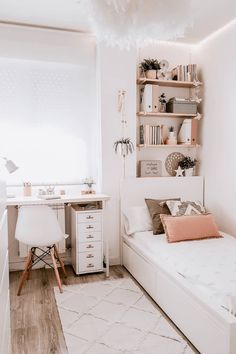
x,y
48,120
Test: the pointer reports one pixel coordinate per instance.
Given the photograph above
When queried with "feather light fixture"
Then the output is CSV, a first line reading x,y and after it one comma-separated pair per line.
x,y
129,23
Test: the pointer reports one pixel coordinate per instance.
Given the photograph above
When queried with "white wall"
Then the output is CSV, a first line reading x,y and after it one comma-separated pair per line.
x,y
117,72
216,57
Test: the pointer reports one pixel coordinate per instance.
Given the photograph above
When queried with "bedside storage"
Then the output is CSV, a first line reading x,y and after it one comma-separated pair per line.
x,y
86,240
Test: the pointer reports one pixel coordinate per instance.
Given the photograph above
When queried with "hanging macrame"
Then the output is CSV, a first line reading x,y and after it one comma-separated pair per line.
x,y
123,146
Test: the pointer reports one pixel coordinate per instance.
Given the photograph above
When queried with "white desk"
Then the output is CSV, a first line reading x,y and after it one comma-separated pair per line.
x,y
66,199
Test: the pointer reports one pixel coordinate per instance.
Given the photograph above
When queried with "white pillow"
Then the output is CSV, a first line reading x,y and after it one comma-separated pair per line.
x,y
137,219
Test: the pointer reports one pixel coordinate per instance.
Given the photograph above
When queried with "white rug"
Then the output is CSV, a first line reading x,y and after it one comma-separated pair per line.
x,y
115,317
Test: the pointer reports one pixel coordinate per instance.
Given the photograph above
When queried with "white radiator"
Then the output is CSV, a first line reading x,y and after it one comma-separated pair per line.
x,y
59,210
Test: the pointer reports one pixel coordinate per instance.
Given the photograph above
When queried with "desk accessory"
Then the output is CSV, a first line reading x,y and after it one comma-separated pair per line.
x,y
89,182
27,189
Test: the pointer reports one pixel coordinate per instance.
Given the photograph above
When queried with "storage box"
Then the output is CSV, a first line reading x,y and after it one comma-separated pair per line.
x,y
181,106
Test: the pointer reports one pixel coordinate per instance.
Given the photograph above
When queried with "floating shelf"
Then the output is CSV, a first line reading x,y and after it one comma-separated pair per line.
x,y
182,146
165,115
169,83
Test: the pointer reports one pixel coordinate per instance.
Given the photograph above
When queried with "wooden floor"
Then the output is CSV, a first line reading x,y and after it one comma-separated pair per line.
x,y
35,322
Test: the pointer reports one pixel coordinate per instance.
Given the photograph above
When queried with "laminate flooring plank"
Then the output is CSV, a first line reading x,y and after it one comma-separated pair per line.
x,y
35,323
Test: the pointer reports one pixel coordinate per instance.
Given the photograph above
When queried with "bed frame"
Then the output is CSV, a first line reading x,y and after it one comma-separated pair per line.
x,y
211,329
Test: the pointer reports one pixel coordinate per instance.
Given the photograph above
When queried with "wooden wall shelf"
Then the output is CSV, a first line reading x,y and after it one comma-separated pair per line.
x,y
169,83
182,146
165,115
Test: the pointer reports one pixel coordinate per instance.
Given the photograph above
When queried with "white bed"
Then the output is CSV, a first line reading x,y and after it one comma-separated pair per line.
x,y
195,297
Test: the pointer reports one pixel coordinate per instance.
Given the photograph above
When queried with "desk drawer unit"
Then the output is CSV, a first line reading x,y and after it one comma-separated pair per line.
x,y
89,217
89,227
90,246
87,241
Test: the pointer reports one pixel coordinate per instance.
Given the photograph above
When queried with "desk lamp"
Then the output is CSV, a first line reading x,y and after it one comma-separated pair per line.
x,y
10,165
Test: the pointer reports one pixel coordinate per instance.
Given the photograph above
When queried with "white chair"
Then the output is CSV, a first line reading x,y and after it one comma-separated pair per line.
x,y
37,226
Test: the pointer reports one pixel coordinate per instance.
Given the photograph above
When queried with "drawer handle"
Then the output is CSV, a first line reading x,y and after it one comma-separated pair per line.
x,y
90,256
89,217
89,227
90,265
90,246
89,236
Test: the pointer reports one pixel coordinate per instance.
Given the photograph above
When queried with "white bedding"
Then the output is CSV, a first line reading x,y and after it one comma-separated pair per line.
x,y
210,265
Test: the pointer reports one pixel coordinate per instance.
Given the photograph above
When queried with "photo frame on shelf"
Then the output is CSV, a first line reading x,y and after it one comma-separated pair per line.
x,y
150,168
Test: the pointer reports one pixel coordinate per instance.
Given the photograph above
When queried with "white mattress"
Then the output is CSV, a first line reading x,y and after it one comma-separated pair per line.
x,y
209,265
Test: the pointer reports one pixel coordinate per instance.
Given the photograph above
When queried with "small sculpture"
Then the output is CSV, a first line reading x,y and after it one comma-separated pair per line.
x,y
179,172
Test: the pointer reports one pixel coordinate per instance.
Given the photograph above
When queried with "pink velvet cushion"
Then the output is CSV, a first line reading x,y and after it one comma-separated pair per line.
x,y
192,227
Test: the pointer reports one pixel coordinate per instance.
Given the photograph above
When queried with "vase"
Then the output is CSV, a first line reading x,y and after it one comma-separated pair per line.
x,y
162,107
151,74
188,172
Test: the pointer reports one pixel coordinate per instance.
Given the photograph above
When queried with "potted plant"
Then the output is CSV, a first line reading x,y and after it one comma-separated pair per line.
x,y
162,102
149,67
171,140
188,164
124,146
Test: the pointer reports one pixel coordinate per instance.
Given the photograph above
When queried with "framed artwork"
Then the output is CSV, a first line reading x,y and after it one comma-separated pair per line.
x,y
150,168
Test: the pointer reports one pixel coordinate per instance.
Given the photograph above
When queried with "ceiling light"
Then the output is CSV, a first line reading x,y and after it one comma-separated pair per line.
x,y
129,23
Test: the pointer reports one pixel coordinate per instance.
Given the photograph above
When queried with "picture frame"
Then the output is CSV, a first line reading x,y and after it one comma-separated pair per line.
x,y
150,168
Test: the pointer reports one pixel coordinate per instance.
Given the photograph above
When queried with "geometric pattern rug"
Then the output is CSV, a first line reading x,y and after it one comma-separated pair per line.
x,y
115,317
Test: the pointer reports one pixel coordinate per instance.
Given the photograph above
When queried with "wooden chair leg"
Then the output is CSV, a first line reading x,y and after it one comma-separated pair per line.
x,y
60,261
31,263
56,270
25,273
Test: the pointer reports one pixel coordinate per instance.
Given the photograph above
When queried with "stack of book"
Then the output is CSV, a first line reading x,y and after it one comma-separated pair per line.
x,y
151,134
185,72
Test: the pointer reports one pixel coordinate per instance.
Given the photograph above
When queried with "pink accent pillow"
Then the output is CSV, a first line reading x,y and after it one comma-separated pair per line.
x,y
191,227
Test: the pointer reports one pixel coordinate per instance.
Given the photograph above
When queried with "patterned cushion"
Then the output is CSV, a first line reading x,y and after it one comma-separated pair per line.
x,y
178,208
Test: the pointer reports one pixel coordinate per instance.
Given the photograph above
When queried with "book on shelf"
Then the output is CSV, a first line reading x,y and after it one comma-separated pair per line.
x,y
151,134
185,72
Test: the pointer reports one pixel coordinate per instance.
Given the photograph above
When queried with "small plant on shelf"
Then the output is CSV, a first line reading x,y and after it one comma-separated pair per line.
x,y
187,164
149,64
149,67
162,98
171,140
162,101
